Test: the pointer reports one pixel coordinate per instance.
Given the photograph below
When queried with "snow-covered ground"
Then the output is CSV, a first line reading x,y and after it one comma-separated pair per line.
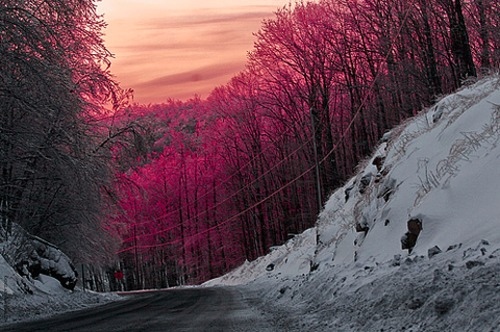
x,y
22,299
442,168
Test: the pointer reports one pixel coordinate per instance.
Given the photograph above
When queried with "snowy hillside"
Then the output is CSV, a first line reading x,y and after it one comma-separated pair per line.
x,y
350,273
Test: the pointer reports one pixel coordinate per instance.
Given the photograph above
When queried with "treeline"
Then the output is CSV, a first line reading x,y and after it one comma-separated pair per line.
x,y
214,182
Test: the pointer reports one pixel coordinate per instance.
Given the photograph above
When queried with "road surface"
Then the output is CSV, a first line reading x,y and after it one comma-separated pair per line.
x,y
190,309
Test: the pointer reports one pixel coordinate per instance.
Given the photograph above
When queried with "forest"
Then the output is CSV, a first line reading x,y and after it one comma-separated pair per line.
x,y
184,191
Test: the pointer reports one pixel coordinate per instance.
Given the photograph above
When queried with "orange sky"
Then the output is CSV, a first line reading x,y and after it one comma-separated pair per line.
x,y
179,48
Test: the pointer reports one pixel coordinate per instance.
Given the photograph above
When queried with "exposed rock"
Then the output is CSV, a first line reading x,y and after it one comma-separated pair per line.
x,y
484,242
473,264
433,251
362,227
415,226
365,182
313,266
408,261
348,190
396,261
454,246
49,260
378,161
409,239
33,256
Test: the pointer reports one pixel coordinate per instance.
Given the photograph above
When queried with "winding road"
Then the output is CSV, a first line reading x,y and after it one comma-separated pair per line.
x,y
188,309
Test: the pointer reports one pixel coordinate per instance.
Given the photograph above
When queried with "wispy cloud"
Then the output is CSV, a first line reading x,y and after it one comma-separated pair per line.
x,y
183,54
207,73
203,19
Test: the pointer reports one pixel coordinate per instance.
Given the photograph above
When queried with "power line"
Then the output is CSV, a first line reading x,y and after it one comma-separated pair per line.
x,y
335,147
164,216
227,198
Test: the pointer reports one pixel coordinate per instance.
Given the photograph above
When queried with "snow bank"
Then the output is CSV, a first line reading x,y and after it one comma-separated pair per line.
x,y
25,295
9,280
23,299
350,273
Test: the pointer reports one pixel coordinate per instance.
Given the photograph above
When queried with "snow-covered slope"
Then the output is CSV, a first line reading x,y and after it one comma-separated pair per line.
x,y
441,168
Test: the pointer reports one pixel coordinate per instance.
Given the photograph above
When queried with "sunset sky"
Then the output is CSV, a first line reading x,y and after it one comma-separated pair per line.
x,y
179,48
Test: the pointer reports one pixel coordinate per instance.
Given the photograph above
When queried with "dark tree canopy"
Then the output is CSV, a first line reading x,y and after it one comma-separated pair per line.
x,y
54,83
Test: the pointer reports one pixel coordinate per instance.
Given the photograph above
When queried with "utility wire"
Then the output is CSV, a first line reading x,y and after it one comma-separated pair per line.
x,y
335,147
242,189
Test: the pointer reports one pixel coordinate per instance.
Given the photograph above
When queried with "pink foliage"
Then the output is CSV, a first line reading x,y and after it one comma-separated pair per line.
x,y
221,180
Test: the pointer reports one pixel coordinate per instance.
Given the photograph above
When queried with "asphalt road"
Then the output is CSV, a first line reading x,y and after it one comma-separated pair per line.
x,y
190,309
